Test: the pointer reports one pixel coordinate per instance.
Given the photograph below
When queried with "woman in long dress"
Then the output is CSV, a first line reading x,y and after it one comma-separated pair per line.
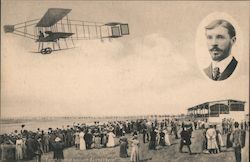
x,y
111,140
157,137
104,139
162,138
24,147
77,140
123,147
218,139
135,156
167,137
211,140
152,142
203,140
19,148
97,140
82,141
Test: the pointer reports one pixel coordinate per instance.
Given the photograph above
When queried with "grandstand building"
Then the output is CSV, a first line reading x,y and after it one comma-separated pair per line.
x,y
215,111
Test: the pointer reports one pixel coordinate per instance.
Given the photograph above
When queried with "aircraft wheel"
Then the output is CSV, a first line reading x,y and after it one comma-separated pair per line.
x,y
43,51
48,50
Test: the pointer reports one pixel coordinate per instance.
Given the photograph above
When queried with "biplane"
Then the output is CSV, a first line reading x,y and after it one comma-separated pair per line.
x,y
55,27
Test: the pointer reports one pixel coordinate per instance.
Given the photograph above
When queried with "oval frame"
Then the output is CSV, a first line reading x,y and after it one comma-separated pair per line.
x,y
203,57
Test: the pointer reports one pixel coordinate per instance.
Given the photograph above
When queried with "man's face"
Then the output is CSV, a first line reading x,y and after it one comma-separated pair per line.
x,y
219,43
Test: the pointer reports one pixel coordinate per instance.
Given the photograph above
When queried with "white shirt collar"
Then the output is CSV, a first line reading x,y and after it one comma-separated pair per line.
x,y
222,64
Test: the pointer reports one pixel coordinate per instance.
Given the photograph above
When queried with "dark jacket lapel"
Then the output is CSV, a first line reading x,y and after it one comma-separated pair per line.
x,y
229,69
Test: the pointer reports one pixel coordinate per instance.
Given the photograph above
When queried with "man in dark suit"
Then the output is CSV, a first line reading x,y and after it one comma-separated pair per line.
x,y
88,137
185,139
152,142
220,39
238,137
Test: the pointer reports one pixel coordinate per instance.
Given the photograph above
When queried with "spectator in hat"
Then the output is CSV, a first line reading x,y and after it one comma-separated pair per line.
x,y
82,141
30,147
237,138
77,139
88,137
58,149
97,139
104,138
211,139
185,139
135,157
162,138
218,138
46,142
152,142
167,137
123,147
38,149
19,148
111,140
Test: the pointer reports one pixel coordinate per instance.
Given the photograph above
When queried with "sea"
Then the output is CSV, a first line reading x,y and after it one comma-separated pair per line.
x,y
10,125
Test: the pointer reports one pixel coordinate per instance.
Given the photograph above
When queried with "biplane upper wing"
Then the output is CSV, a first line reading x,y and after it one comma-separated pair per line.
x,y
52,16
54,36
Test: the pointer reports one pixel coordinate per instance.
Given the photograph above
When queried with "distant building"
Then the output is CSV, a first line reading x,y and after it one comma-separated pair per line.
x,y
215,111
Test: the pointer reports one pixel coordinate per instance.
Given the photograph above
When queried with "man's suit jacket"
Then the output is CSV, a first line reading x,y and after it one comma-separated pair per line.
x,y
225,74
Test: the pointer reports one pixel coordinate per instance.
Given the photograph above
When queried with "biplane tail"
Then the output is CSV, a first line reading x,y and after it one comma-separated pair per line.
x,y
118,29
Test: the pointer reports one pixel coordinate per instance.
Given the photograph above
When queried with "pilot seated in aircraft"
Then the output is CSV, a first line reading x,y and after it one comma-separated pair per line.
x,y
41,35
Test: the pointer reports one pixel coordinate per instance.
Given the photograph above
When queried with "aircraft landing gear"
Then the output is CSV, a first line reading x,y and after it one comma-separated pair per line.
x,y
47,50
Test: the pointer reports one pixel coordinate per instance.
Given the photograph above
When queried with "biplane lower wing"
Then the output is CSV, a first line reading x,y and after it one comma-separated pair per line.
x,y
54,36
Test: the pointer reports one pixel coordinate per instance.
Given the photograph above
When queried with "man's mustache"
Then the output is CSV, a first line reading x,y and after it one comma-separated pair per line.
x,y
215,49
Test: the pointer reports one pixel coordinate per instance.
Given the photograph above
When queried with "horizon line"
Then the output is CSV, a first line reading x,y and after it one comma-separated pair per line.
x,y
94,116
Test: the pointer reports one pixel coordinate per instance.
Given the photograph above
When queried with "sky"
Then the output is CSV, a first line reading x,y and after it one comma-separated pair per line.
x,y
157,69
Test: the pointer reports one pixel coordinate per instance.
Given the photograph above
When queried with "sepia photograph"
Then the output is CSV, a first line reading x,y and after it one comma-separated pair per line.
x,y
124,81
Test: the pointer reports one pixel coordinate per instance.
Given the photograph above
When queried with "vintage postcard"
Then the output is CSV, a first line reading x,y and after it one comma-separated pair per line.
x,y
160,81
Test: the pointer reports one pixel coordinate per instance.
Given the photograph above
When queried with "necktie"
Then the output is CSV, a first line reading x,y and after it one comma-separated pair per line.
x,y
216,73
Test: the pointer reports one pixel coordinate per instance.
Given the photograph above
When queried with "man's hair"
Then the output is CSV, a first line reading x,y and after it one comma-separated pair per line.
x,y
223,23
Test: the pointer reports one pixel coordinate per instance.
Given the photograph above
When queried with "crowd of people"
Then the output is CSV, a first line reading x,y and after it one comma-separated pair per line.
x,y
32,144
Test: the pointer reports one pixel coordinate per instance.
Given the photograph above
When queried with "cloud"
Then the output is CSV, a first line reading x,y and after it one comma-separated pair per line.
x,y
149,77
155,61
